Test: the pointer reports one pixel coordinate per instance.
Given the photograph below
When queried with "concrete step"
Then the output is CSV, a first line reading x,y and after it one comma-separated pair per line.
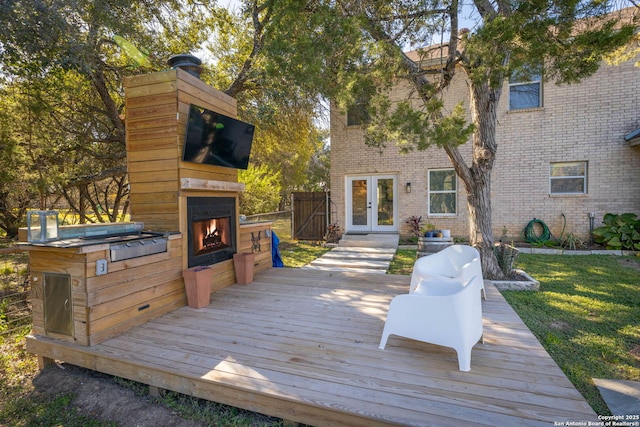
x,y
370,240
369,253
355,263
345,255
344,269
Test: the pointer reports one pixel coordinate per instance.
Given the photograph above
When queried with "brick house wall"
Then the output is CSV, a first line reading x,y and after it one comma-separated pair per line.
x,y
581,122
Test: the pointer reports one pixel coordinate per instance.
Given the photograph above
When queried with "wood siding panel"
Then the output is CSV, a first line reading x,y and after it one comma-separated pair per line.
x,y
150,120
142,199
155,89
158,222
145,80
156,208
145,111
151,275
134,299
148,165
133,317
158,141
135,157
208,172
136,104
151,187
192,90
154,176
158,133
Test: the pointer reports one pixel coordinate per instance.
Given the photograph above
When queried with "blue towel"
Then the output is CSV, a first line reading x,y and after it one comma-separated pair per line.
x,y
275,252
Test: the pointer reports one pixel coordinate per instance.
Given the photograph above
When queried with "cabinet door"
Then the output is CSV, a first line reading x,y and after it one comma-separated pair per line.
x,y
58,313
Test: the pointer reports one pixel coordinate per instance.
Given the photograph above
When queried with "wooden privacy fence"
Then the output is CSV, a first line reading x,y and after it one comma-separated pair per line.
x,y
310,215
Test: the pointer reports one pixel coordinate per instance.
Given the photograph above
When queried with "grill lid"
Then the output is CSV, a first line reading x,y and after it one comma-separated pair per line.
x,y
137,248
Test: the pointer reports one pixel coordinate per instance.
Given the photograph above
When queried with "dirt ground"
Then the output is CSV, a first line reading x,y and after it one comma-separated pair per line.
x,y
98,396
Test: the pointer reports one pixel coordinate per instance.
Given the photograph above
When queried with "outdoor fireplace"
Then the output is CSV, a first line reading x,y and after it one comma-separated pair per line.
x,y
211,229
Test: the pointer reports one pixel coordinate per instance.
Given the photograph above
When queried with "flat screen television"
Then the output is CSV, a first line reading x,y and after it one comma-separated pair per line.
x,y
215,139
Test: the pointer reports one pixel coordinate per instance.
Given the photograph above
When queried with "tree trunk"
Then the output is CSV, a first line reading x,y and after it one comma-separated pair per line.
x,y
480,224
484,100
82,211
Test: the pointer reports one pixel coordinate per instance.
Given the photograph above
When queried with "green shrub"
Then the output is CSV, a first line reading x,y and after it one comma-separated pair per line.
x,y
619,232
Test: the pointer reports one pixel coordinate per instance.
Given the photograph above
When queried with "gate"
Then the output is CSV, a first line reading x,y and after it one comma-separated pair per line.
x,y
311,216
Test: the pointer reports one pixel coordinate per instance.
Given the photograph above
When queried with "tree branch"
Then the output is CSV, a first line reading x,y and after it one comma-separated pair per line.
x,y
108,173
486,9
258,41
459,164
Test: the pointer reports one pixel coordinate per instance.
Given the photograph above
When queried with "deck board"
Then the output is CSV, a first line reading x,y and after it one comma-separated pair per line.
x,y
303,345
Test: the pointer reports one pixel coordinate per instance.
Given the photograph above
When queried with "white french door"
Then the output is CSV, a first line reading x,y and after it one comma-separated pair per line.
x,y
372,203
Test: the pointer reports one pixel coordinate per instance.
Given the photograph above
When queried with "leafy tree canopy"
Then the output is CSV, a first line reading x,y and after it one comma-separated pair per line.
x,y
63,64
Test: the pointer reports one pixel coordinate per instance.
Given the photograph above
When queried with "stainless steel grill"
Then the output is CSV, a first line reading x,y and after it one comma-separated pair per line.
x,y
137,248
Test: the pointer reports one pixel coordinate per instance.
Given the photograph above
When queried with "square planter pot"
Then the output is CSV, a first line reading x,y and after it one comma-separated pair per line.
x,y
243,264
197,283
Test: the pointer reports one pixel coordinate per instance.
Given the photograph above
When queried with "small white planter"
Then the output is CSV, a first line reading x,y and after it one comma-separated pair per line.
x,y
446,233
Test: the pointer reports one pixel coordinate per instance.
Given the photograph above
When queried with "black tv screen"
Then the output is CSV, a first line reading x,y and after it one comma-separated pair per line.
x,y
215,139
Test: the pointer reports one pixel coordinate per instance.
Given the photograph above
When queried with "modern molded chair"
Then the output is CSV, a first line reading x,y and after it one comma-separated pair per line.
x,y
458,262
445,313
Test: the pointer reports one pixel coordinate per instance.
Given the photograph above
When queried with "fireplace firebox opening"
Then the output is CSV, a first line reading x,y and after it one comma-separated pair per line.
x,y
211,229
211,235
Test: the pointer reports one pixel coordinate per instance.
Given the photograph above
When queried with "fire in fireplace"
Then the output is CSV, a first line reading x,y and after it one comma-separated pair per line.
x,y
211,229
211,235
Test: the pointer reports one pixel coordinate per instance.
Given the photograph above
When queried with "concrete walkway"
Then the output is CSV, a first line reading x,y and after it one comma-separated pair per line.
x,y
360,253
622,397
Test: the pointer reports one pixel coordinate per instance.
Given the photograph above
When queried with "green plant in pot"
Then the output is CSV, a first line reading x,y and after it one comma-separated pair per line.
x,y
430,230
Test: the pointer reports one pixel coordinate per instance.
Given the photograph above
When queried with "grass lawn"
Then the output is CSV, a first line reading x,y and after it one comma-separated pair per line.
x,y
586,315
402,262
298,253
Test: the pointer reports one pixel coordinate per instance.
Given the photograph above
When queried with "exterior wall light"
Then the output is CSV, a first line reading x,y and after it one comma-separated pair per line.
x,y
407,187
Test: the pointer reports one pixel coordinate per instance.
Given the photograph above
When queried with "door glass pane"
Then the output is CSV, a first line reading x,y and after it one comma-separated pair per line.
x,y
359,202
385,201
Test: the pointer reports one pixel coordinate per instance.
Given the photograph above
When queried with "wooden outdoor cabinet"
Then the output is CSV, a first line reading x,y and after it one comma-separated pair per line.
x,y
74,304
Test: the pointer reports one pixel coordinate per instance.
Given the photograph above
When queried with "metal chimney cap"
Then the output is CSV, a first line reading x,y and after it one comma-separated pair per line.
x,y
187,62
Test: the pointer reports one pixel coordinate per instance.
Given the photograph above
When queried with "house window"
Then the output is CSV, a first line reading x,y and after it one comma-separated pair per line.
x,y
357,114
525,90
568,178
442,192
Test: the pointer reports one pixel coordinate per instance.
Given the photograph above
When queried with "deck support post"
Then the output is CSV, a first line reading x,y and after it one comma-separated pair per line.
x,y
156,392
43,362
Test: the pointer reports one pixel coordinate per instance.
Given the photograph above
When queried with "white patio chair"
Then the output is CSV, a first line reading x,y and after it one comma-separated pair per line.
x,y
443,313
458,262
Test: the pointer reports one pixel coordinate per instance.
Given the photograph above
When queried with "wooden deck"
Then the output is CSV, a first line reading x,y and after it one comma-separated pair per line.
x,y
303,345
